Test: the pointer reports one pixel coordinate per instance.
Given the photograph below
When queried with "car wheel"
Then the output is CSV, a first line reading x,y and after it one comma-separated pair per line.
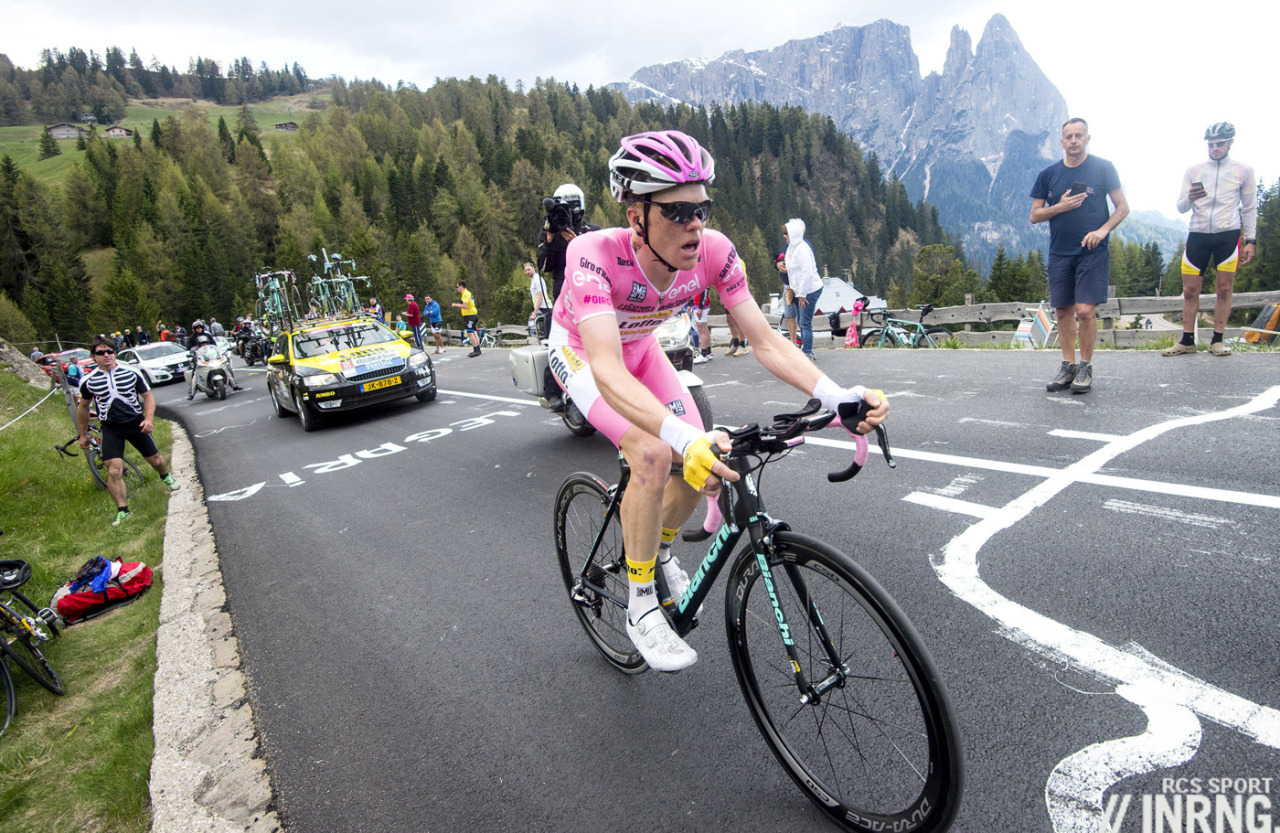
x,y
309,419
275,402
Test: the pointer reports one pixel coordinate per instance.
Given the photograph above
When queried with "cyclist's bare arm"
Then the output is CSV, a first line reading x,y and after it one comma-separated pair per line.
x,y
82,421
784,360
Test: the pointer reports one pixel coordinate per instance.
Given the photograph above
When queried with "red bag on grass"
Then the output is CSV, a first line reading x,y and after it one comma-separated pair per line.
x,y
100,586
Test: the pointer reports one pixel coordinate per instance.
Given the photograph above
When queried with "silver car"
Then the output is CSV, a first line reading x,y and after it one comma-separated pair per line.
x,y
163,361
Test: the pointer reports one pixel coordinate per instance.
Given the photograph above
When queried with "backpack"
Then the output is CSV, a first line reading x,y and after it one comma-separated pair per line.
x,y
100,586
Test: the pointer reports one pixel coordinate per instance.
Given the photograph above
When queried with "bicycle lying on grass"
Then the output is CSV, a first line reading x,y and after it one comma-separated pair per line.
x,y
838,681
133,478
898,332
23,629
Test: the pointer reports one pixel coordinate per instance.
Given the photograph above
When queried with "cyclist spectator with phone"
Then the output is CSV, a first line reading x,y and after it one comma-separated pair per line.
x,y
1222,196
620,286
1072,196
122,401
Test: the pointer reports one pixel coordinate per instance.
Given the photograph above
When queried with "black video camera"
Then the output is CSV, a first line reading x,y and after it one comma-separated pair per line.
x,y
561,214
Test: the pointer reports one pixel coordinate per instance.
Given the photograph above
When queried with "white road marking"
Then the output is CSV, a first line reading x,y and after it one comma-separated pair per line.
x,y
950,504
1074,792
292,479
958,485
963,420
1084,435
525,401
1167,514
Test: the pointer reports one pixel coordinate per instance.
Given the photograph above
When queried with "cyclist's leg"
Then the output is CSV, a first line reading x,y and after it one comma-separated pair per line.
x,y
112,450
1227,257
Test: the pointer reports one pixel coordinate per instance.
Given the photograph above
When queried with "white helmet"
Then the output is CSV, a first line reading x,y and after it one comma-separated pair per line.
x,y
572,193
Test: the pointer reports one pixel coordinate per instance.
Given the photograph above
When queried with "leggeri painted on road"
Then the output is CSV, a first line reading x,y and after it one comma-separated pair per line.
x,y
346,461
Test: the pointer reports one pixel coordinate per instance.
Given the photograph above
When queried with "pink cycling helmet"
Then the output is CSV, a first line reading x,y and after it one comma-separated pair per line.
x,y
657,160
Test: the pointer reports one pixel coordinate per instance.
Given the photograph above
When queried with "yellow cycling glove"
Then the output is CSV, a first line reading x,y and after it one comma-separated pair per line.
x,y
698,460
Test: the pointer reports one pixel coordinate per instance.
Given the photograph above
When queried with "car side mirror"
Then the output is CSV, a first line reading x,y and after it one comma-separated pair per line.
x,y
276,358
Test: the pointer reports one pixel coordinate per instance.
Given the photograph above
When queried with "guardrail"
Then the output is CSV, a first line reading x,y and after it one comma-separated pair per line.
x,y
514,335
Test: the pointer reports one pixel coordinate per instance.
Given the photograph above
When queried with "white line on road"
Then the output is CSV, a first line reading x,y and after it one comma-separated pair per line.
x,y
1166,514
950,504
1084,435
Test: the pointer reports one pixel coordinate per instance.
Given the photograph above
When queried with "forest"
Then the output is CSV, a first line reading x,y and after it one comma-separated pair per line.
x,y
423,188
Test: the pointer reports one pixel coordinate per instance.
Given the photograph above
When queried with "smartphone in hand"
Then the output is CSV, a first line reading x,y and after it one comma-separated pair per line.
x,y
1077,188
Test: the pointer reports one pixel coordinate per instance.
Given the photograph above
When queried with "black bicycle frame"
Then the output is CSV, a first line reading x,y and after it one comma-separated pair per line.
x,y
743,510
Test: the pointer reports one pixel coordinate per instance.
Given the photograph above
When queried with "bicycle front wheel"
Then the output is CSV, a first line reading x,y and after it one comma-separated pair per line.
x,y
934,336
597,581
874,741
20,646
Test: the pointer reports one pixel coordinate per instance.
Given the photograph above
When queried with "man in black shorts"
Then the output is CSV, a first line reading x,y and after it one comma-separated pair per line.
x,y
1222,196
122,401
1072,196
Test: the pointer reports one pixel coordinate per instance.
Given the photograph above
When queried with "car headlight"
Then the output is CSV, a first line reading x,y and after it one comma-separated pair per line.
x,y
320,380
417,359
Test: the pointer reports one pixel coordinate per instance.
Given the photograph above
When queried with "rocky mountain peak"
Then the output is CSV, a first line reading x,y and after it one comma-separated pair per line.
x,y
970,140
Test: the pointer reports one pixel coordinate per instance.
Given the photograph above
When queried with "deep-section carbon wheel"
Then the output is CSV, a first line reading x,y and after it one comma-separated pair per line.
x,y
598,586
874,742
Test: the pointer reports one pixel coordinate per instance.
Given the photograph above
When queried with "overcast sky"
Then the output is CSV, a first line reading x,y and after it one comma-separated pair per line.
x,y
1148,76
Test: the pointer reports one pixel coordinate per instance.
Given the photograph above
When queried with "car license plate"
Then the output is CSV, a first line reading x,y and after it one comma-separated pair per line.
x,y
381,383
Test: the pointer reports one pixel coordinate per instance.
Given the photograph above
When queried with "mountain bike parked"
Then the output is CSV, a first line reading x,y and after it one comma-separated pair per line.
x,y
898,332
839,683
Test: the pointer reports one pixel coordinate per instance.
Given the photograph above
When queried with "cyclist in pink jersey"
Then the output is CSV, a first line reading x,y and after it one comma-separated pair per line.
x,y
620,285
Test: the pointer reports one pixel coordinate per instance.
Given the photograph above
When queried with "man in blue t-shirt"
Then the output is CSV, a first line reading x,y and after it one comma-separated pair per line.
x,y
1072,196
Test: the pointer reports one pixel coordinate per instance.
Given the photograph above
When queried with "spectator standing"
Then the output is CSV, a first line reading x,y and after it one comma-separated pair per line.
x,y
215,328
122,401
141,336
470,317
1072,196
804,280
1222,196
701,314
377,310
413,316
431,312
789,311
36,354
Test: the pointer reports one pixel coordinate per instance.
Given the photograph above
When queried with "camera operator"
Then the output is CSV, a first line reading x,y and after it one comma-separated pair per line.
x,y
563,221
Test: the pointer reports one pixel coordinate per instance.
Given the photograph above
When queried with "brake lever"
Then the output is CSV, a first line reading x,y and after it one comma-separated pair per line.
x,y
850,416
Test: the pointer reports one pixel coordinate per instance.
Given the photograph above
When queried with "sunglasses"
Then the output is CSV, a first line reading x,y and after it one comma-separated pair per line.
x,y
682,213
1223,143
106,352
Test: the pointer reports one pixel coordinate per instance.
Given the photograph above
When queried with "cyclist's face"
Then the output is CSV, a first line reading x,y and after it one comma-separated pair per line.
x,y
679,245
1219,148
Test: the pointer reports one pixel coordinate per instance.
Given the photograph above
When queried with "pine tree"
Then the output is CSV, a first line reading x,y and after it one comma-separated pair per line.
x,y
48,145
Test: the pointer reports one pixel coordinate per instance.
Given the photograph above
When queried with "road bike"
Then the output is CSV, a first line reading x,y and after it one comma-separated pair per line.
x,y
24,627
132,475
838,681
898,332
334,295
279,303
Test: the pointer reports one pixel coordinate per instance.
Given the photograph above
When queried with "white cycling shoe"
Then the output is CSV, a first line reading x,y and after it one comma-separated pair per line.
x,y
658,644
677,580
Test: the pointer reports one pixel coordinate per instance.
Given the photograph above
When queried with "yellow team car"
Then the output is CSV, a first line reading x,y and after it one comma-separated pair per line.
x,y
340,365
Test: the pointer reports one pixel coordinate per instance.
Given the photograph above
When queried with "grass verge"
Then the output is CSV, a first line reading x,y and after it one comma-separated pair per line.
x,y
80,762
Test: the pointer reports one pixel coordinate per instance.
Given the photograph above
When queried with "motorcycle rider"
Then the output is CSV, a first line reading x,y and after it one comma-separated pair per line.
x,y
200,337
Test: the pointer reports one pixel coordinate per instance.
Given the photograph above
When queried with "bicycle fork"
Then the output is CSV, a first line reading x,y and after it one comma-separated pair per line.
x,y
810,693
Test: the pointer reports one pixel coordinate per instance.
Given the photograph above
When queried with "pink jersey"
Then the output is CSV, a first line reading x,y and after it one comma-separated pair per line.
x,y
602,278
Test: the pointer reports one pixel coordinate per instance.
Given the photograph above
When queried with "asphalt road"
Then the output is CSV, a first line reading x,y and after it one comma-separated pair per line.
x,y
1094,575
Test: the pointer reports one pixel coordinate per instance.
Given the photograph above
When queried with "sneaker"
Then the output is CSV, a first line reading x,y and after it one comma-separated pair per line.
x,y
744,350
1062,381
658,644
1219,348
1084,378
701,358
121,517
169,481
1180,348
733,349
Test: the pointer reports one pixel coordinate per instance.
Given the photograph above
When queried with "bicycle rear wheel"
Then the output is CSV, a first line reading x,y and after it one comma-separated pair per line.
x,y
20,645
133,479
878,747
597,584
934,336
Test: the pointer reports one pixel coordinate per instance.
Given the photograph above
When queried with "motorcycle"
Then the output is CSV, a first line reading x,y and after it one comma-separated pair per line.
x,y
254,347
209,372
531,374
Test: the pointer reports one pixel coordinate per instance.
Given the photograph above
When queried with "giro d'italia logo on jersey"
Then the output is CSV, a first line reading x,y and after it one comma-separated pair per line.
x,y
638,291
1193,805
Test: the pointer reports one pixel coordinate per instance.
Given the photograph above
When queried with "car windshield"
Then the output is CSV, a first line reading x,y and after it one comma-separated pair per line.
x,y
314,343
158,350
77,354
